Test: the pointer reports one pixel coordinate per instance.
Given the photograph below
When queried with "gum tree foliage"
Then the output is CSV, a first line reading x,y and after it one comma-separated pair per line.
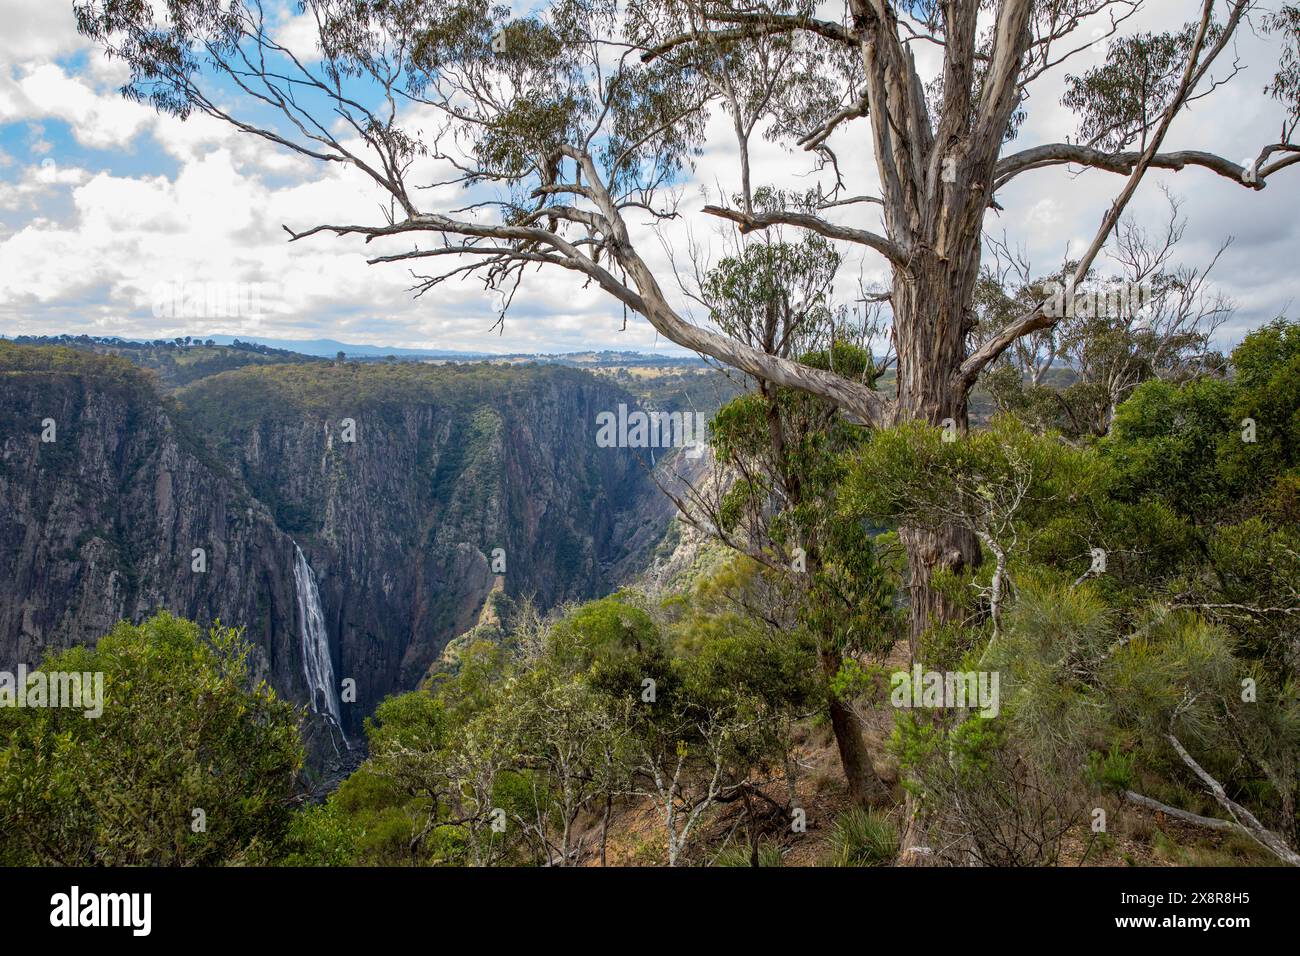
x,y
522,754
1186,448
426,793
491,763
786,449
780,454
1034,500
1155,319
718,711
183,729
1171,671
1005,484
1096,712
569,126
1190,497
449,761
738,626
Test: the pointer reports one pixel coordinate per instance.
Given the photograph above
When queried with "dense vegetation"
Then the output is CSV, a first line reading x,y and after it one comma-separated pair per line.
x,y
222,402
190,761
1137,599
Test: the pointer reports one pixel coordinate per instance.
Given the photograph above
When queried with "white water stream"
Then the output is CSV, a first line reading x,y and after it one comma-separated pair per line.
x,y
317,665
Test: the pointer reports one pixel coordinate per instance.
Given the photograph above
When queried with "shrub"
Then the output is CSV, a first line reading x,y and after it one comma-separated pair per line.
x,y
186,765
738,854
863,838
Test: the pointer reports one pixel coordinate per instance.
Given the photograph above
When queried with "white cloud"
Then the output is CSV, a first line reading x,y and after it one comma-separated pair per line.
x,y
37,31
83,249
36,182
46,92
297,33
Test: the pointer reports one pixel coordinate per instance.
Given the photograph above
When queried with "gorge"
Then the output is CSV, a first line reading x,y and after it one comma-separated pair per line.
x,y
346,513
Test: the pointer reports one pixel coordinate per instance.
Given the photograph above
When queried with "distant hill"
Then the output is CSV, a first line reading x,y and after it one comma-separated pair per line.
x,y
176,362
330,348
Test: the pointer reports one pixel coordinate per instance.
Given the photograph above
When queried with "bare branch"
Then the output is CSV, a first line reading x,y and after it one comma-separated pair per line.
x,y
1245,820
1056,154
749,223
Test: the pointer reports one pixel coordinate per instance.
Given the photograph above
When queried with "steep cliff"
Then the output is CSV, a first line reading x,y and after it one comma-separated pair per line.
x,y
399,482
106,500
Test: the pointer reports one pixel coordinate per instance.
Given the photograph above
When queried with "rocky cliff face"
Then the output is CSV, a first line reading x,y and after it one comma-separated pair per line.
x,y
106,501
399,483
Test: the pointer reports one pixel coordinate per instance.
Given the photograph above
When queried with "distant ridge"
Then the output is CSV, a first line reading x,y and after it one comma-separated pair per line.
x,y
330,348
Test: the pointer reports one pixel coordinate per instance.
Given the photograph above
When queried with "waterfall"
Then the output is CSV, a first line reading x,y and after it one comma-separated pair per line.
x,y
317,666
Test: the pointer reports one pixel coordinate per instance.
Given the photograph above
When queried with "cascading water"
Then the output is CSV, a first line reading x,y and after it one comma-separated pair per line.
x,y
317,665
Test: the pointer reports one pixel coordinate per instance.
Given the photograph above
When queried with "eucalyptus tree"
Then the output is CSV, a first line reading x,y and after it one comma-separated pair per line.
x,y
1155,318
572,124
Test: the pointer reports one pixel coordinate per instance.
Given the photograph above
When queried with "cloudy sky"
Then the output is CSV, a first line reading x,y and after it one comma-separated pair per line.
x,y
105,206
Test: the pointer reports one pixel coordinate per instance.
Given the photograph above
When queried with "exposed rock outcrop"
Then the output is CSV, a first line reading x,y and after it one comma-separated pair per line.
x,y
399,482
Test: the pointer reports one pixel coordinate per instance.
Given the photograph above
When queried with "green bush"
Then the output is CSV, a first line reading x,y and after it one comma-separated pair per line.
x,y
181,732
863,838
738,854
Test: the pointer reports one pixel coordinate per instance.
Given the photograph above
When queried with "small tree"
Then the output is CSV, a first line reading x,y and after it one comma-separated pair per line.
x,y
1004,484
189,763
1152,319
